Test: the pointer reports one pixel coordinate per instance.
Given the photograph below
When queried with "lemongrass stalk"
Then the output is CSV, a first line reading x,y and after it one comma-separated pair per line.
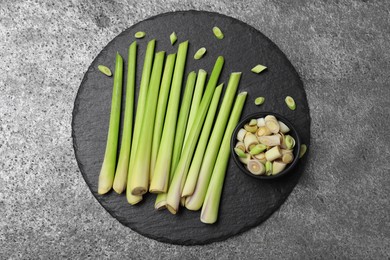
x,y
209,214
183,118
159,182
139,183
120,180
180,174
161,109
192,176
195,201
107,171
199,87
141,104
161,198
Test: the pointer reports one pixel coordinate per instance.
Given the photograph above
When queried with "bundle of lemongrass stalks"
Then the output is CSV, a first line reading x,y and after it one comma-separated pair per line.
x,y
177,149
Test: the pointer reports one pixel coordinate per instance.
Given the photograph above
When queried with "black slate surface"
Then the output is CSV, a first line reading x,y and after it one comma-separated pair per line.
x,y
245,202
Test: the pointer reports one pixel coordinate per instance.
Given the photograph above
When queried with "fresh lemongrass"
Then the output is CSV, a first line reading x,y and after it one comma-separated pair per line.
x,y
162,169
289,141
139,35
141,104
302,150
195,201
140,178
290,102
277,167
161,109
283,128
272,124
202,144
263,131
253,122
180,174
286,151
105,70
198,93
173,38
241,134
246,159
259,101
287,158
107,172
258,149
250,128
258,68
218,33
240,145
255,167
240,153
183,118
250,141
270,140
209,213
120,180
200,53
273,154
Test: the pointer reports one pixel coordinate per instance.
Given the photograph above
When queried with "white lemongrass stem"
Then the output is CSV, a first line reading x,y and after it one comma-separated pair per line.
x,y
120,180
162,169
140,178
209,214
195,201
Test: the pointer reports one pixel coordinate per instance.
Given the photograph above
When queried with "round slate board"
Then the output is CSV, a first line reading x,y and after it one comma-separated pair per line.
x,y
246,202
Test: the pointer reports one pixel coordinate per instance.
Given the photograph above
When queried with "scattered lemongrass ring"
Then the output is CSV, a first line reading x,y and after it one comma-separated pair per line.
x,y
259,101
258,68
218,33
139,35
290,103
200,53
105,70
303,150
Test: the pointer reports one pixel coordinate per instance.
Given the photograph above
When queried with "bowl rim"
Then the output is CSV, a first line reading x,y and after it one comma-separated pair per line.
x,y
293,132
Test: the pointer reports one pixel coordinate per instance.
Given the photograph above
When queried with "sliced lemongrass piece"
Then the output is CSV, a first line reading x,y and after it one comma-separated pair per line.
x,y
173,38
218,33
260,122
260,157
263,131
246,159
200,53
302,150
196,163
162,169
277,167
183,118
268,168
120,180
286,151
240,145
141,170
253,122
105,70
273,154
250,141
272,124
195,201
290,103
161,109
287,158
198,93
258,68
179,175
209,214
259,101
106,177
258,149
240,153
270,140
250,128
289,141
241,134
256,167
139,35
141,105
283,128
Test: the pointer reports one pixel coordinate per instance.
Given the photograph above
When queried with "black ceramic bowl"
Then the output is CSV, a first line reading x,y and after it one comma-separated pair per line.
x,y
293,132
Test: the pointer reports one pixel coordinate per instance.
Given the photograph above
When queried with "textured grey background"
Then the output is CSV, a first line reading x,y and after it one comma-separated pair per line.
x,y
340,208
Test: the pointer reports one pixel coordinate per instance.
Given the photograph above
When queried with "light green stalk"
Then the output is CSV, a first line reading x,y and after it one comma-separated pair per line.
x,y
199,87
183,118
164,157
210,207
120,180
195,201
107,172
146,72
139,183
161,109
180,174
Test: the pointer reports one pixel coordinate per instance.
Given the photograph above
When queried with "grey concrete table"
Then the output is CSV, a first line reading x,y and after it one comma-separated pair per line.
x,y
340,208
